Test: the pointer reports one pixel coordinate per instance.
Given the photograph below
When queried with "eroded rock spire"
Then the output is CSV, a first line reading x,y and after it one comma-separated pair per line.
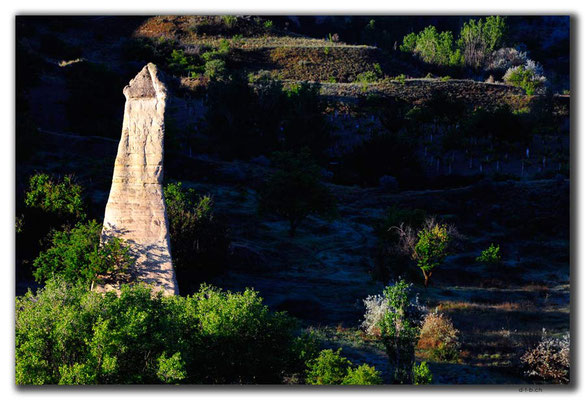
x,y
136,209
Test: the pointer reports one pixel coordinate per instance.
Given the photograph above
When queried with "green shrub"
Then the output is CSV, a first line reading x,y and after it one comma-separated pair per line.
x,y
330,368
422,374
183,65
431,249
478,39
215,69
171,369
433,47
409,43
363,375
439,338
76,255
400,328
268,24
62,198
400,79
68,335
526,78
229,20
491,255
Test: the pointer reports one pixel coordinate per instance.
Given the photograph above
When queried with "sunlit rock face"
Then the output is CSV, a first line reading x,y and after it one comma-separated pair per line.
x,y
136,209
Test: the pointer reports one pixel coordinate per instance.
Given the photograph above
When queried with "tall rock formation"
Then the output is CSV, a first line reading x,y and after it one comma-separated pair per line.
x,y
136,209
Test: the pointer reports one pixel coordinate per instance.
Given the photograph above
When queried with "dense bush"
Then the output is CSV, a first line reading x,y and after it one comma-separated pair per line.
x,y
549,360
479,38
295,190
68,335
62,198
529,77
363,375
433,47
376,308
400,328
438,338
47,204
506,57
77,256
330,368
491,255
199,240
215,69
429,246
422,374
182,64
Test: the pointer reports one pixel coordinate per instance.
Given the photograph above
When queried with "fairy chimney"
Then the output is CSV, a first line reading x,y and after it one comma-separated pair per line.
x,y
136,209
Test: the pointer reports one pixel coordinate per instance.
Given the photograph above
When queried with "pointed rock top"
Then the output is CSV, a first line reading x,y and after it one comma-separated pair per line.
x,y
146,84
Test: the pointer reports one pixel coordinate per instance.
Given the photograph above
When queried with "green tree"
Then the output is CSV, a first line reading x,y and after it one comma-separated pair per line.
x,y
295,190
431,248
199,240
66,334
525,78
433,47
181,64
479,38
215,69
78,257
63,198
363,375
330,368
491,255
400,329
422,374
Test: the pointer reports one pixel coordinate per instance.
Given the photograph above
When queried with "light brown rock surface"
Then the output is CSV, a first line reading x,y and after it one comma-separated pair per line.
x,y
136,209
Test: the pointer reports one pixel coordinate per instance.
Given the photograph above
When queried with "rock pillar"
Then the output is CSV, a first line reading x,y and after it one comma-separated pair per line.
x,y
136,209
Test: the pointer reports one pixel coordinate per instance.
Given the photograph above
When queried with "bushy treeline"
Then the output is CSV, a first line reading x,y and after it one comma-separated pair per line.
x,y
476,41
479,46
68,335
